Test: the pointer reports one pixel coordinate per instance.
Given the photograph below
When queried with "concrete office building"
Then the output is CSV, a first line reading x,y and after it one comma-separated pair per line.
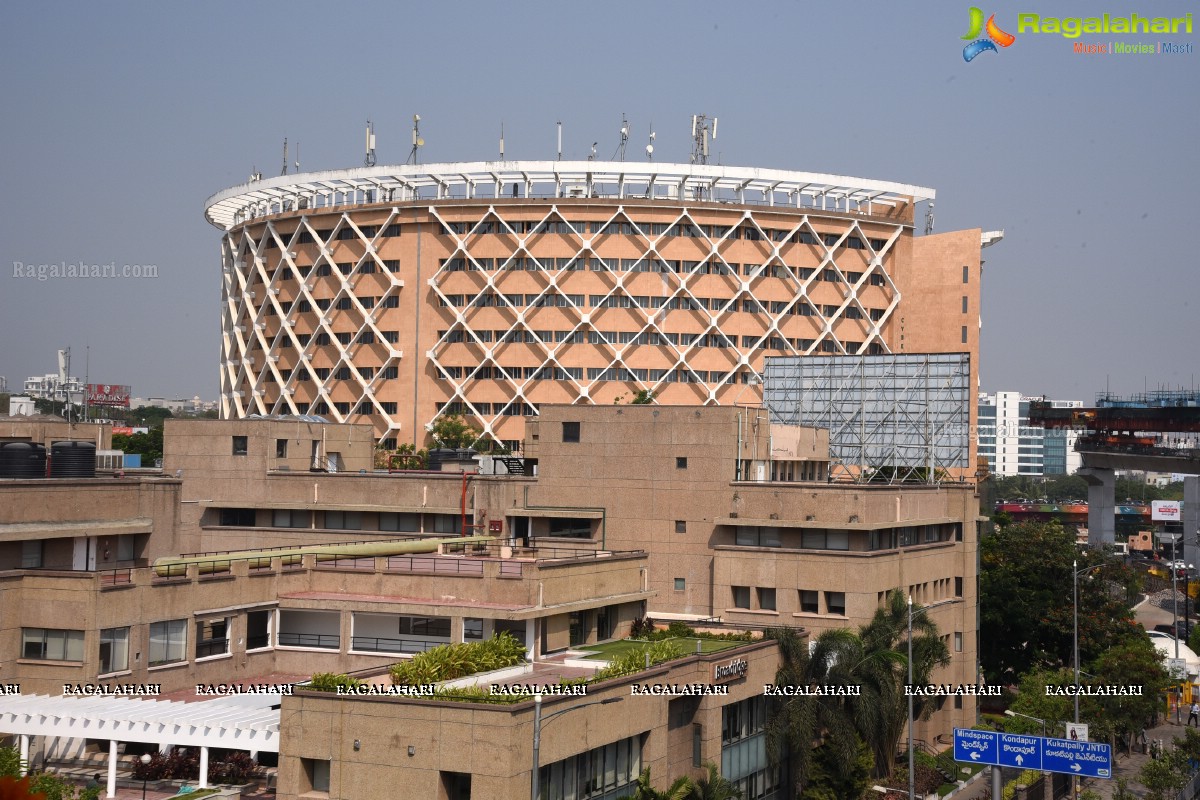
x,y
390,295
1013,447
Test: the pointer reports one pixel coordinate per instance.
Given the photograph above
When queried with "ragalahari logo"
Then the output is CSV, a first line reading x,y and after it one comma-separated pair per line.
x,y
995,36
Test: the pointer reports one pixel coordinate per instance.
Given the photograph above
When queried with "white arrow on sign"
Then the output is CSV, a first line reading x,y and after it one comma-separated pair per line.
x,y
974,755
1020,760
1076,767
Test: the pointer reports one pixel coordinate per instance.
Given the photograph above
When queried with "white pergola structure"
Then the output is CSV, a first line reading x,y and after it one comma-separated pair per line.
x,y
244,722
257,269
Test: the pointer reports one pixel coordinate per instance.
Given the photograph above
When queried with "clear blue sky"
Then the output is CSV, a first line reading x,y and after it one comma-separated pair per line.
x,y
120,119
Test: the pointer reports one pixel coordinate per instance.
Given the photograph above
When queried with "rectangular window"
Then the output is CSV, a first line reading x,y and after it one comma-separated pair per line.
x,y
835,603
237,517
281,448
472,629
958,587
114,650
425,626
680,462
258,630
289,518
966,274
809,602
168,642
571,528
570,432
212,637
239,445
680,584
964,304
316,770
31,554
766,599
399,521
964,334
680,526
344,520
958,641
741,596
49,644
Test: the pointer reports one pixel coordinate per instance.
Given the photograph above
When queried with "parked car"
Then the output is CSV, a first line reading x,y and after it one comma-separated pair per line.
x,y
1181,630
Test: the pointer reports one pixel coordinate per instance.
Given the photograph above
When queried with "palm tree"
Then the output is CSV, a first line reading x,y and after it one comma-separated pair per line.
x,y
714,786
681,789
885,670
796,724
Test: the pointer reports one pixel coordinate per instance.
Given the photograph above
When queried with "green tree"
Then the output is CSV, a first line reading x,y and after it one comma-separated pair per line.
x,y
797,723
885,666
679,790
149,445
1135,662
10,762
713,786
1026,603
452,432
831,780
1164,776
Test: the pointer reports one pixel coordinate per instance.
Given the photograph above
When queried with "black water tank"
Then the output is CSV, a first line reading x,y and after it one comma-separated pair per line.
x,y
438,456
22,460
72,460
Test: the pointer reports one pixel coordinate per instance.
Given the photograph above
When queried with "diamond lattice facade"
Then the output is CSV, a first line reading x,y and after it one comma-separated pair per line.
x,y
396,294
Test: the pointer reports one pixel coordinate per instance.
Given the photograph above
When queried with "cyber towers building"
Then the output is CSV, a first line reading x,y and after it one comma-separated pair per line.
x,y
394,294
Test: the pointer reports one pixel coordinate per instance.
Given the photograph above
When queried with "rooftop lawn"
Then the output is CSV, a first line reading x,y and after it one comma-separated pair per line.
x,y
610,650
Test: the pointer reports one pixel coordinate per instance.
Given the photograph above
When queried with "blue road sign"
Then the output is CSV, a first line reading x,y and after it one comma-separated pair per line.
x,y
1077,758
975,747
1019,750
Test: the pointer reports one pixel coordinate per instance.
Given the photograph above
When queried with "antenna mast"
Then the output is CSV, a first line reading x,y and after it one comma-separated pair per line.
x,y
284,172
929,218
701,133
624,138
501,141
650,147
417,141
369,161
297,157
560,141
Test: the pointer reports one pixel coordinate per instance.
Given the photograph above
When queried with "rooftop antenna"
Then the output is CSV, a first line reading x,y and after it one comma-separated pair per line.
x,y
417,141
255,175
502,140
560,141
650,147
702,131
369,161
592,156
624,138
284,172
929,218
297,157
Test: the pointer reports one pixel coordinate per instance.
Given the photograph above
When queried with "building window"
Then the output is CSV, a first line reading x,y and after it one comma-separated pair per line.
x,y
680,462
680,584
425,626
212,637
958,587
964,301
399,521
237,517
747,536
835,603
964,334
288,518
966,274
607,771
168,642
239,445
570,432
472,629
809,602
766,599
281,448
49,644
680,526
258,630
958,641
741,596
114,650
571,528
31,554
316,771
344,520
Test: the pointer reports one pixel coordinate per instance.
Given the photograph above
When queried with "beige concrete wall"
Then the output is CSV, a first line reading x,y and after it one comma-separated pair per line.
x,y
46,430
494,743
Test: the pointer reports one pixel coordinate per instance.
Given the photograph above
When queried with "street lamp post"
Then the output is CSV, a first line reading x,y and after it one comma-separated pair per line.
x,y
1075,573
145,759
538,719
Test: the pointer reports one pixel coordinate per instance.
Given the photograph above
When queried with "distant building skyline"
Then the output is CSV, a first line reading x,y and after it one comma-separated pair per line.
x,y
1014,447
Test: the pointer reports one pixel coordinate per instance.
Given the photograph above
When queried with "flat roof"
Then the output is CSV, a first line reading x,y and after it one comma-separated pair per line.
x,y
480,180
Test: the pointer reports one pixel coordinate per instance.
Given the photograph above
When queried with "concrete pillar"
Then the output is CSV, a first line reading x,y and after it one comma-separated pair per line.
x,y
203,767
1191,520
1102,484
112,768
24,745
530,638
